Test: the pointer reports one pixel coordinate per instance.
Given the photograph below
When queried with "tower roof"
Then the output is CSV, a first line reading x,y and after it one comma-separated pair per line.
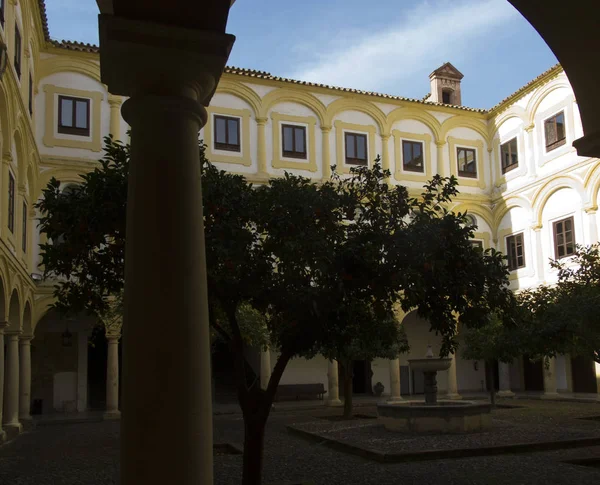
x,y
447,70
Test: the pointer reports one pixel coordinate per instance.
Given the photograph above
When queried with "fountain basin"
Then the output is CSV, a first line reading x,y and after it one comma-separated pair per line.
x,y
442,417
430,364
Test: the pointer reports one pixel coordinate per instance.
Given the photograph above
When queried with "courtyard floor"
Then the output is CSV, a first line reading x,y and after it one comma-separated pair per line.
x,y
87,453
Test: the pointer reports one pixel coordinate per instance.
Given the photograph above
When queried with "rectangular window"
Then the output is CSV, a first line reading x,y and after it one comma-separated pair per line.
x,y
73,116
554,129
467,162
509,155
564,238
477,243
17,51
515,249
2,13
294,141
30,95
24,235
227,133
356,149
11,202
412,156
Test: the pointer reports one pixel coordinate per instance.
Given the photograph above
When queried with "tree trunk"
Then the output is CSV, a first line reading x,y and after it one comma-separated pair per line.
x,y
348,389
489,370
254,438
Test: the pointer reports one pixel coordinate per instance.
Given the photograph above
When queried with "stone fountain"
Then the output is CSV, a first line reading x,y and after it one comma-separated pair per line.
x,y
433,415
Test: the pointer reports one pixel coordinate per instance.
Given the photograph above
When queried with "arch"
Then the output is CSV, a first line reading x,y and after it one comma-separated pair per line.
x,y
14,312
349,104
241,91
55,64
592,184
27,319
512,112
507,205
65,176
282,95
415,114
40,309
21,159
3,313
535,101
477,210
6,114
549,188
460,121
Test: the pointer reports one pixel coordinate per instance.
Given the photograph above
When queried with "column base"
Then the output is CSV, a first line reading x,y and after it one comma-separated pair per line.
x,y
109,415
453,396
12,430
506,393
26,423
333,402
393,399
550,395
2,437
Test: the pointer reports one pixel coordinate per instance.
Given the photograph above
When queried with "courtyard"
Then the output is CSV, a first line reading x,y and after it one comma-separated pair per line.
x,y
88,453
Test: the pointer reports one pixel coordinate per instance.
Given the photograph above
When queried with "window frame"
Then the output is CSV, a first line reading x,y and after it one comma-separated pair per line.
x,y
2,12
11,202
507,168
405,167
30,94
73,130
477,243
294,153
555,235
229,147
513,259
24,222
462,173
558,142
355,160
17,60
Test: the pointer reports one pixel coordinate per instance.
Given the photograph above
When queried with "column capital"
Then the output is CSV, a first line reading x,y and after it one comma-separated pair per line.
x,y
440,143
143,107
115,101
25,339
3,325
592,209
325,128
537,227
385,136
13,335
261,120
113,338
529,128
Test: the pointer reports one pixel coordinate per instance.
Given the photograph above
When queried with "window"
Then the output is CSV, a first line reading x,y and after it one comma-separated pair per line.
x,y
554,129
467,162
516,251
412,156
24,236
18,51
564,238
356,149
30,95
227,133
509,155
73,116
477,243
11,202
446,97
2,13
294,141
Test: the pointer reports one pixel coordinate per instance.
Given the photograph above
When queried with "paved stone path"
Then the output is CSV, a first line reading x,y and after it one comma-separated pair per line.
x,y
87,454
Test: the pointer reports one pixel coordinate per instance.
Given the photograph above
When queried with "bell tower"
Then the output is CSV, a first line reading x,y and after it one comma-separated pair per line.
x,y
445,85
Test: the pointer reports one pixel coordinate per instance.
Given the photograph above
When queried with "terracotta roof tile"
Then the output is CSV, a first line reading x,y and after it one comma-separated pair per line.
x,y
44,18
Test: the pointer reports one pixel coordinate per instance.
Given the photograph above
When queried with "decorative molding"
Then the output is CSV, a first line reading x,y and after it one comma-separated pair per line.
x,y
341,128
244,156
455,143
399,173
310,164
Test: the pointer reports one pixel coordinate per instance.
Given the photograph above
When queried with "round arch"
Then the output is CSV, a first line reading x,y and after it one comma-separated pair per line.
x,y
542,195
241,91
512,112
14,312
509,204
65,176
414,114
27,320
6,114
21,158
40,309
538,97
477,210
55,64
464,122
282,95
352,104
592,185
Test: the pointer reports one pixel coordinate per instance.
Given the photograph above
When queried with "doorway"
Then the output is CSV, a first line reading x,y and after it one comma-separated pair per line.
x,y
495,374
361,377
533,373
583,372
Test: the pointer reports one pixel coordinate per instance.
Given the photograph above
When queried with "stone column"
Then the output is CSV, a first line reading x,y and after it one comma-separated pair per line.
x,y
504,378
112,378
539,252
261,146
395,394
550,379
265,368
441,166
326,155
385,154
25,378
170,74
3,325
592,224
82,371
529,152
115,103
333,389
452,381
12,426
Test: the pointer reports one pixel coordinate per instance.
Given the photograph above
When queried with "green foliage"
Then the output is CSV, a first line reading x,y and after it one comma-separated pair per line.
x,y
493,341
565,317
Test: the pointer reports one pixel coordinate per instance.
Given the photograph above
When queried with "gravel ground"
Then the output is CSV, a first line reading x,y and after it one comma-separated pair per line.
x,y
88,454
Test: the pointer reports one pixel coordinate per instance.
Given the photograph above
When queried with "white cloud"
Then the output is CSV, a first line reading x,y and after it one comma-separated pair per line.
x,y
432,33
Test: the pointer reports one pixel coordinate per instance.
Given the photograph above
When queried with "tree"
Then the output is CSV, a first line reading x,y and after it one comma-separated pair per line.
x,y
565,317
300,265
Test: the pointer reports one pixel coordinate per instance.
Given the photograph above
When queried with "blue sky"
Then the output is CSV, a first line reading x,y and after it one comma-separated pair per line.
x,y
386,46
